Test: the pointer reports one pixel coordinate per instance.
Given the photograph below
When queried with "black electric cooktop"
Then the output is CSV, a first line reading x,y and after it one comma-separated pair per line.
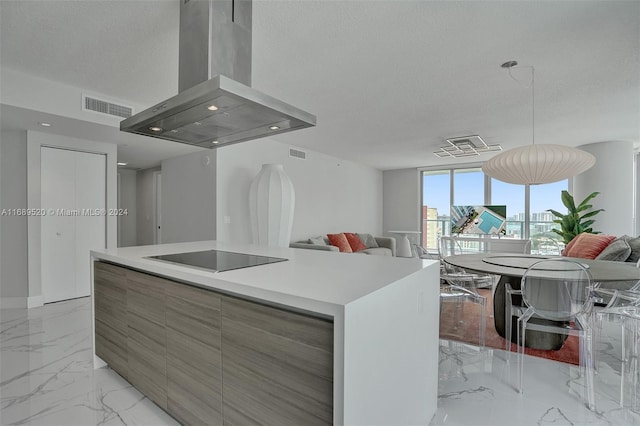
x,y
217,260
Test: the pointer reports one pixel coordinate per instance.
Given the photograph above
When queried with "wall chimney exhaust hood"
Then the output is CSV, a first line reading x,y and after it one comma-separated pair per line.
x,y
215,105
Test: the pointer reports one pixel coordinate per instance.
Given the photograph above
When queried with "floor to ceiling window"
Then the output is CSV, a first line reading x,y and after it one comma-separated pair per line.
x,y
542,198
436,203
512,196
527,216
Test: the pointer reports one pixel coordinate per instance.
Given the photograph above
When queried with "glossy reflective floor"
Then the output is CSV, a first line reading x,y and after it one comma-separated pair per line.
x,y
479,388
46,378
47,375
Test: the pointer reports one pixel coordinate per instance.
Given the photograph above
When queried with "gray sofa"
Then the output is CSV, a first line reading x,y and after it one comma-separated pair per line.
x,y
386,246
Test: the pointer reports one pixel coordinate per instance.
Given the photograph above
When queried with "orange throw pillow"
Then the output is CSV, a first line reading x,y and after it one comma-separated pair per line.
x,y
340,241
587,246
354,241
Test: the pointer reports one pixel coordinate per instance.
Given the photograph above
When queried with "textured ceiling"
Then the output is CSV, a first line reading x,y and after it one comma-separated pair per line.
x,y
388,80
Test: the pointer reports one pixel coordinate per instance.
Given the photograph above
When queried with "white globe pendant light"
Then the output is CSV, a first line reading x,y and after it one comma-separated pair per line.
x,y
537,163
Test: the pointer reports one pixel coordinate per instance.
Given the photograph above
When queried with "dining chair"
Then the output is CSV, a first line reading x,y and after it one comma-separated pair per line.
x,y
461,286
450,246
560,292
607,296
624,310
454,288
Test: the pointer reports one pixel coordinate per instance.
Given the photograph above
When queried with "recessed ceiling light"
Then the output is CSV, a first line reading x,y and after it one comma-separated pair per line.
x,y
212,108
43,124
122,164
155,129
215,142
274,127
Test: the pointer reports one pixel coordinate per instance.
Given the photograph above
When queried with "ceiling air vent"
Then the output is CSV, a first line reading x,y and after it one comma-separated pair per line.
x,y
297,154
105,107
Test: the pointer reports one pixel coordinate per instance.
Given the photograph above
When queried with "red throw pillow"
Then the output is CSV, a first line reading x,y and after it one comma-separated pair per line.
x,y
354,241
587,246
340,241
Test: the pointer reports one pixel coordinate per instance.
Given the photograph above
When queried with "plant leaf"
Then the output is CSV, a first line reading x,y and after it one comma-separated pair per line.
x,y
582,208
555,213
589,197
591,213
567,200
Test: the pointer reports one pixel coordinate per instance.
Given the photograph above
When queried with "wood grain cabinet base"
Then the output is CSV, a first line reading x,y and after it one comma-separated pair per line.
x,y
212,359
110,319
277,366
194,365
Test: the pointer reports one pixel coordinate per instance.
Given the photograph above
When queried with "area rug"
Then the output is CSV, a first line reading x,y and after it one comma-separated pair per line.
x,y
460,322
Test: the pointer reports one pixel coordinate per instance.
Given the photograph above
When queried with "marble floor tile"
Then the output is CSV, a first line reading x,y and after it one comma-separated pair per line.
x,y
47,378
480,388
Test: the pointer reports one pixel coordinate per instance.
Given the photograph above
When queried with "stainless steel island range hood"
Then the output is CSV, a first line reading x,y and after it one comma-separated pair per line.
x,y
216,105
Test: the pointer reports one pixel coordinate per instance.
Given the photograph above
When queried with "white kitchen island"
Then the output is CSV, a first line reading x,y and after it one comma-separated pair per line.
x,y
384,313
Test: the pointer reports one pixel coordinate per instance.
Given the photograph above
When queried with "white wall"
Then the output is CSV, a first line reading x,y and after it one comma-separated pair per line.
x,y
612,176
39,94
13,195
189,197
332,195
127,201
145,205
401,201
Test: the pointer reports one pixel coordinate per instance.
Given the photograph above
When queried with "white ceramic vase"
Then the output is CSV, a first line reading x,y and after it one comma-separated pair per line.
x,y
271,206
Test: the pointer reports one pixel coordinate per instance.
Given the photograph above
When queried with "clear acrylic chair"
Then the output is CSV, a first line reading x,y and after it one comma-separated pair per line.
x,y
624,310
558,290
461,286
607,296
453,288
450,246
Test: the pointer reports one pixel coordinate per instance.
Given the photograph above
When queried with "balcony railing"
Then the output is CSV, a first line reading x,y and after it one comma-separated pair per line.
x,y
544,241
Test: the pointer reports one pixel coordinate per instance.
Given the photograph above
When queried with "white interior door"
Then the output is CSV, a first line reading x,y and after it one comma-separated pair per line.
x,y
91,181
58,233
70,182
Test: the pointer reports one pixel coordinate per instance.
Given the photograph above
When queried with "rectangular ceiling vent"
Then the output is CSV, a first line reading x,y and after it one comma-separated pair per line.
x,y
297,154
105,107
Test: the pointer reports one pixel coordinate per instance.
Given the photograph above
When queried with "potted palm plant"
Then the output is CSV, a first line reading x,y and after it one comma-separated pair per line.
x,y
578,218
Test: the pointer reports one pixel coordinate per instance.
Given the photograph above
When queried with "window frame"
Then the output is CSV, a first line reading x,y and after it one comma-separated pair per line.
x,y
487,190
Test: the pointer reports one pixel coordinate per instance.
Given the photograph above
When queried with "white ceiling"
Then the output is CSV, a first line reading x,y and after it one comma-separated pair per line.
x,y
388,80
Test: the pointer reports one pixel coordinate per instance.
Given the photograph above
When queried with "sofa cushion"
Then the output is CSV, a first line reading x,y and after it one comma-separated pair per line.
x,y
587,246
369,240
319,241
355,242
340,241
634,243
382,251
619,250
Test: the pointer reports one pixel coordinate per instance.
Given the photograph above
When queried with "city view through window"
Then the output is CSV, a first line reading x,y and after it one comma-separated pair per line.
x,y
444,188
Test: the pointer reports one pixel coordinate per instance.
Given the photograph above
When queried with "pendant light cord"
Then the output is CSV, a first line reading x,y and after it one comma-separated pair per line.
x,y
533,98
533,106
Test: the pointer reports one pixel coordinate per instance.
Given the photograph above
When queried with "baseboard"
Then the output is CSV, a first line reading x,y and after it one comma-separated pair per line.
x,y
13,302
35,302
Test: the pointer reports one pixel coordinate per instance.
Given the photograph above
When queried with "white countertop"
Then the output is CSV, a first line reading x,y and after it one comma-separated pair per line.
x,y
313,280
